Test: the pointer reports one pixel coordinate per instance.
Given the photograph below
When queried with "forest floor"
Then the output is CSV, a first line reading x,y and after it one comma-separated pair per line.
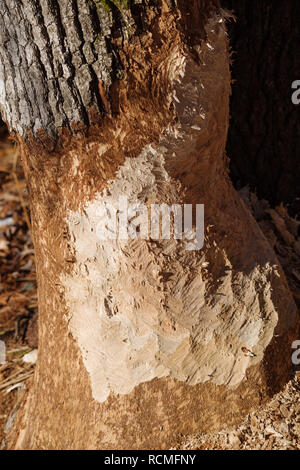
x,y
275,426
18,296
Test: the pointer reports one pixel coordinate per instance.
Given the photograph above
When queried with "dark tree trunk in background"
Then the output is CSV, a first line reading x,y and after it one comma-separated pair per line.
x,y
263,142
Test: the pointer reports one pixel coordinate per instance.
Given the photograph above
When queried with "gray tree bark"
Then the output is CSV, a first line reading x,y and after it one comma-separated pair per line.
x,y
60,58
55,58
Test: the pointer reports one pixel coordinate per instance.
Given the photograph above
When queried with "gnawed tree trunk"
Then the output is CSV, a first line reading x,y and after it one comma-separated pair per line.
x,y
138,340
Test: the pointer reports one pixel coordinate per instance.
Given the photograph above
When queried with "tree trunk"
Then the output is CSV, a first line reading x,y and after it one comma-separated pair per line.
x,y
265,127
139,340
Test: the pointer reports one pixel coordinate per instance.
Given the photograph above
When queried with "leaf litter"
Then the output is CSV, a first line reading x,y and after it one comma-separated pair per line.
x,y
18,296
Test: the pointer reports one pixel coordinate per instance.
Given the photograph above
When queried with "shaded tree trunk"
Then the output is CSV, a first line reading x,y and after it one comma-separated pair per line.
x,y
139,340
265,127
